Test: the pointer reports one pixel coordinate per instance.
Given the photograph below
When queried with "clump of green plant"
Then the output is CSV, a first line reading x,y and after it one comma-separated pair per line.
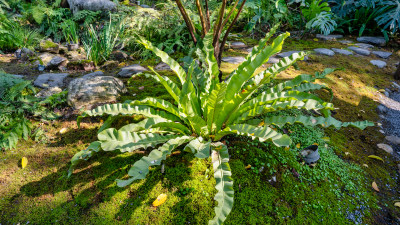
x,y
13,35
99,43
70,31
318,16
18,103
205,110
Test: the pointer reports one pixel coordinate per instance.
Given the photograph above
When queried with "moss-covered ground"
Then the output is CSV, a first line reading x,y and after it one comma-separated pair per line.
x,y
277,188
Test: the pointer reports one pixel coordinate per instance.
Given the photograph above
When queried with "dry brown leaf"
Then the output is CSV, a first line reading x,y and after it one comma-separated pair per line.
x,y
375,186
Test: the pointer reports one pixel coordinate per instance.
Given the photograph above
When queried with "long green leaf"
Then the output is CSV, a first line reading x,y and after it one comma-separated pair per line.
x,y
140,169
199,147
158,103
113,139
143,125
214,105
224,183
172,126
262,133
168,84
83,155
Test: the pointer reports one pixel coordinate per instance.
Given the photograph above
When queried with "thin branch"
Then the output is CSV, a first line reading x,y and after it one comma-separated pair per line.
x,y
202,19
222,46
207,15
188,22
218,25
230,14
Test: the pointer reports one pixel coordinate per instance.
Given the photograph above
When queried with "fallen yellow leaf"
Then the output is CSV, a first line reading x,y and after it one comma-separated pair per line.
x,y
63,130
160,200
298,145
261,124
397,204
375,157
248,167
347,153
375,186
315,144
24,162
315,39
365,165
287,148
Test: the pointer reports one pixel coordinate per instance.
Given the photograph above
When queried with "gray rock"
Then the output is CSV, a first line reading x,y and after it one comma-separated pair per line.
x,y
345,42
162,66
94,74
89,91
382,54
287,54
131,70
24,54
273,60
380,41
234,60
330,37
109,65
119,55
49,80
324,51
386,148
75,56
381,109
238,44
48,92
49,46
360,51
249,49
342,51
393,139
378,63
363,45
57,62
91,5
45,58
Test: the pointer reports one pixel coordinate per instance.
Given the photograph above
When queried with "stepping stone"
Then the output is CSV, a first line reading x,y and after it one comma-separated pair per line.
x,y
130,70
273,60
238,44
331,37
386,148
234,60
342,51
249,49
363,45
393,139
382,54
49,80
378,63
162,66
360,51
324,51
380,41
346,42
287,54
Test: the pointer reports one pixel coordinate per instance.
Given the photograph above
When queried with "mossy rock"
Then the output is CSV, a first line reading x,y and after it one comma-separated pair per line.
x,y
49,46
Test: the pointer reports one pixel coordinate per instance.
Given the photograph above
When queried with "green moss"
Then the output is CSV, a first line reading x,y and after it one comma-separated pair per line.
x,y
48,44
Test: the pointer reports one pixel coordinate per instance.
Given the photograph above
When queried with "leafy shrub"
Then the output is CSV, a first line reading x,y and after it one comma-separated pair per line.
x,y
13,35
99,43
70,31
204,111
17,102
318,16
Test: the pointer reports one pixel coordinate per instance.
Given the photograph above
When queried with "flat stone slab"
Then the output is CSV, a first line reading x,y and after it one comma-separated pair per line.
x,y
378,63
385,147
363,45
49,80
324,51
345,42
380,41
273,60
234,60
360,51
289,53
330,37
131,70
393,139
162,66
342,51
238,44
382,54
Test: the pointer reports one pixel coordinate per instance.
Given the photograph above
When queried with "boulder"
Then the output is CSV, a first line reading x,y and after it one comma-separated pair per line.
x,y
94,89
24,54
386,148
342,51
131,70
75,56
48,92
91,5
324,51
234,59
378,63
49,46
49,80
382,54
330,37
109,65
360,51
57,62
44,58
380,41
119,55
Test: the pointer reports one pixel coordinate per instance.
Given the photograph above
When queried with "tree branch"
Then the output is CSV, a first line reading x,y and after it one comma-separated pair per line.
x,y
218,25
188,22
230,14
207,15
202,19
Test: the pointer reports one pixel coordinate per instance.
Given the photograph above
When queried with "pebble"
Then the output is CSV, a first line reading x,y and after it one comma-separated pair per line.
x,y
360,51
382,54
378,63
324,51
393,139
342,51
385,147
